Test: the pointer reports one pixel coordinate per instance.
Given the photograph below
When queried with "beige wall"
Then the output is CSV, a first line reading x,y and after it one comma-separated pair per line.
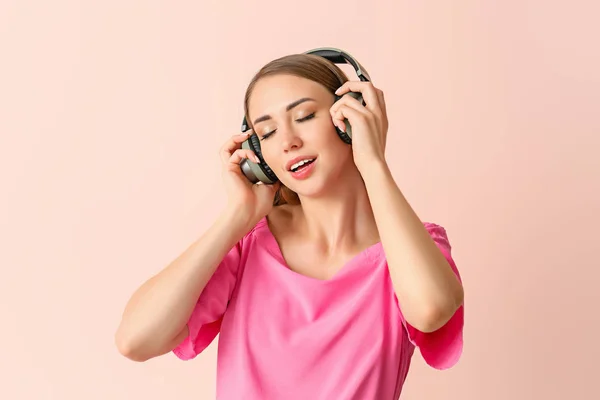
x,y
111,115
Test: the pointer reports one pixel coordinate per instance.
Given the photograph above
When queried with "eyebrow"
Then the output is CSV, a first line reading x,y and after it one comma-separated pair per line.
x,y
287,108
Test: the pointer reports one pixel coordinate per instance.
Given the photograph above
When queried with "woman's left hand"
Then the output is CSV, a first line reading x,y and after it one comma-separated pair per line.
x,y
369,122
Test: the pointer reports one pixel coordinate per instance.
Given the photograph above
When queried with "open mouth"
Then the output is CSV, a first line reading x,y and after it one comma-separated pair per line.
x,y
300,165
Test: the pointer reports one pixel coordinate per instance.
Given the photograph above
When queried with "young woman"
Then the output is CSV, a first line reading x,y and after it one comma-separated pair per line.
x,y
322,284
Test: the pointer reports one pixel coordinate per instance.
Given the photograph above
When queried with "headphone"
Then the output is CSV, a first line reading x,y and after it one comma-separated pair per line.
x,y
261,171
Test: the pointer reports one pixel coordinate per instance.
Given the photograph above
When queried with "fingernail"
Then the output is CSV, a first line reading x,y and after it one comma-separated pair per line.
x,y
257,159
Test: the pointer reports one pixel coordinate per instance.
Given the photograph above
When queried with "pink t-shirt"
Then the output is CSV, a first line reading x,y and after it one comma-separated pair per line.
x,y
287,336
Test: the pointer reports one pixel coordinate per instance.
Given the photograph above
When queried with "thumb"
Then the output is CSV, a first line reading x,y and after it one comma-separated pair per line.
x,y
267,189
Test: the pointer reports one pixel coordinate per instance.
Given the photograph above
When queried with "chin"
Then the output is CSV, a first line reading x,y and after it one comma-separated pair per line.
x,y
318,185
310,188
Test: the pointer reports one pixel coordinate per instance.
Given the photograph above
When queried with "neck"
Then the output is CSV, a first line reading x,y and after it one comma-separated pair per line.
x,y
342,218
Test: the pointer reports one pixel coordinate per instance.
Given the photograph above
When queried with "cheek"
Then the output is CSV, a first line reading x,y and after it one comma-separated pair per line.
x,y
272,156
332,140
269,156
325,134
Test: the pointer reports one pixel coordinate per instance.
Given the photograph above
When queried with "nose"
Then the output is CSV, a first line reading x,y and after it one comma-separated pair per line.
x,y
290,140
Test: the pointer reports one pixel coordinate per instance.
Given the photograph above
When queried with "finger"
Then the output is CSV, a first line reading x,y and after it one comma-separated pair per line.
x,y
381,99
353,102
384,118
349,101
241,154
354,116
270,189
367,90
232,144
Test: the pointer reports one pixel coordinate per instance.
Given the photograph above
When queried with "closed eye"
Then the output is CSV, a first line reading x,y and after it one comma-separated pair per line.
x,y
309,116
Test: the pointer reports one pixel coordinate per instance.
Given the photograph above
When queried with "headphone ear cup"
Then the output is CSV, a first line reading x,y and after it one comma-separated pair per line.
x,y
253,171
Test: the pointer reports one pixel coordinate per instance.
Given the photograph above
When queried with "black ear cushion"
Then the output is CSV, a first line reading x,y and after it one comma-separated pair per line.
x,y
344,136
254,142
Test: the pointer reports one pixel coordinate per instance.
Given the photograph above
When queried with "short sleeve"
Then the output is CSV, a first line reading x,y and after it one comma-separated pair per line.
x,y
205,321
442,348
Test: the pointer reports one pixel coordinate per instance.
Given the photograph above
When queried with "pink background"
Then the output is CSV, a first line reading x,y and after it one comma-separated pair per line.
x,y
112,113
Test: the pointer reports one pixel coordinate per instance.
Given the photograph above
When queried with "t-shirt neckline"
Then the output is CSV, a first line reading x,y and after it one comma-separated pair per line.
x,y
369,253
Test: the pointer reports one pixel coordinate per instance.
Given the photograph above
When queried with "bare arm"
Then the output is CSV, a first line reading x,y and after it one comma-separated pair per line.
x,y
424,282
155,318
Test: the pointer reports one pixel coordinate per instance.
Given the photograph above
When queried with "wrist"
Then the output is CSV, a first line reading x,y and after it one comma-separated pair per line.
x,y
236,219
373,172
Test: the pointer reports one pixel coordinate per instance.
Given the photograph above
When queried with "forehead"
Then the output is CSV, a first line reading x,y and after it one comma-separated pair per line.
x,y
274,93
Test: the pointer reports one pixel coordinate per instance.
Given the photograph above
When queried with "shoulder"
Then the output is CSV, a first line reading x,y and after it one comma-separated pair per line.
x,y
440,237
250,237
438,233
277,220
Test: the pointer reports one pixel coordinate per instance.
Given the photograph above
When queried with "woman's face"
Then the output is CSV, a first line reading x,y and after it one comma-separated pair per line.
x,y
291,117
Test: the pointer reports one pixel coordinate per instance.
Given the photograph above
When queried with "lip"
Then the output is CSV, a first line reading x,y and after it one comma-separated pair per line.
x,y
293,161
305,172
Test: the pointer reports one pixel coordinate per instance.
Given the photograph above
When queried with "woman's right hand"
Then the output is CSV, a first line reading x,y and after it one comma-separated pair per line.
x,y
246,200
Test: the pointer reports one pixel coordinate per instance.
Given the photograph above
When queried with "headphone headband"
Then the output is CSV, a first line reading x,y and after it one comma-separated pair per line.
x,y
338,56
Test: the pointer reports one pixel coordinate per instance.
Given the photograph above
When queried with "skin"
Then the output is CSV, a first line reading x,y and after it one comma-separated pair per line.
x,y
349,203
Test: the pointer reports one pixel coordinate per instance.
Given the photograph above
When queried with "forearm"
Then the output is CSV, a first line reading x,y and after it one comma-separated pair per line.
x,y
159,310
427,288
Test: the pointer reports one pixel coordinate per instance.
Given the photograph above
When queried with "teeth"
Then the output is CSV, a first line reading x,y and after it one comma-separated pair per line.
x,y
300,163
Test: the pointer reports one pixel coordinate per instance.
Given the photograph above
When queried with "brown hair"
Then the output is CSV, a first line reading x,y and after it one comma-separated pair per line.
x,y
309,66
